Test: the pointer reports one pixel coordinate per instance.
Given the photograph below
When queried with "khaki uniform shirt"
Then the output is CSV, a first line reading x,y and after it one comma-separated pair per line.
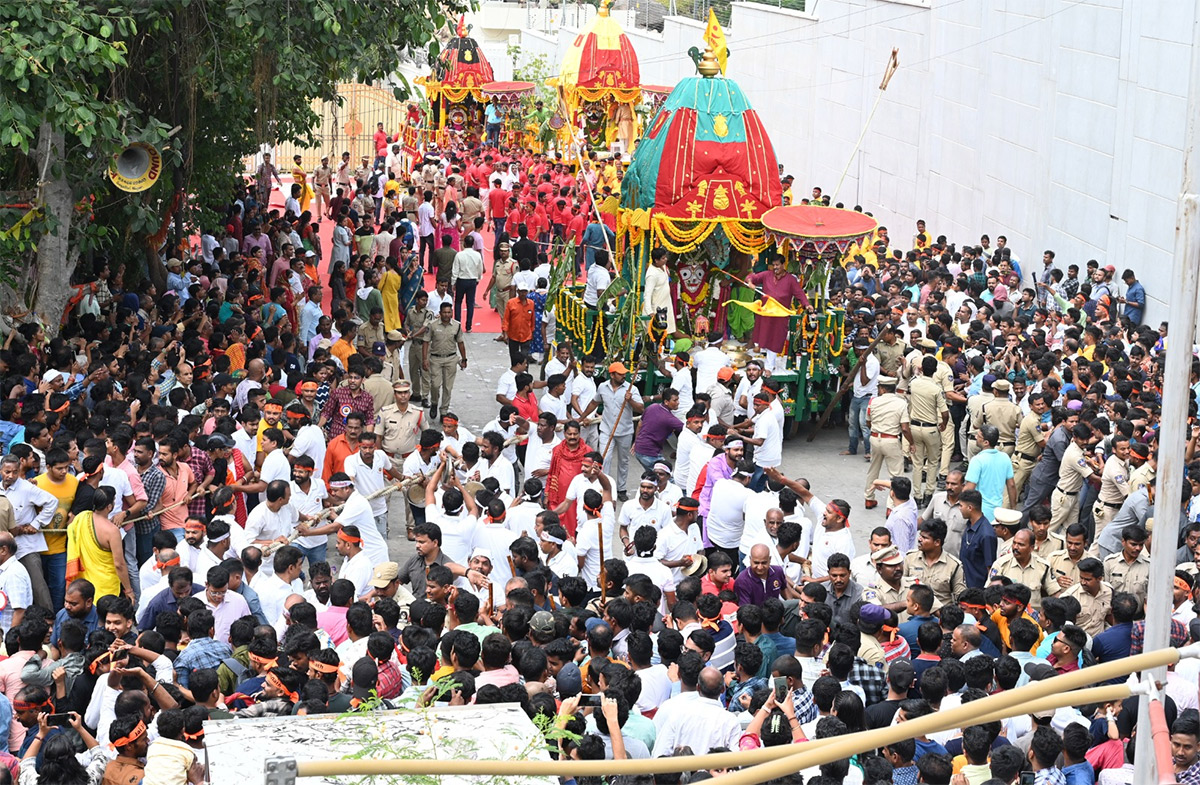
x,y
415,320
880,592
1126,577
1029,436
1061,565
944,576
1036,575
886,412
1093,610
870,650
1005,415
380,388
1050,546
926,400
1073,470
444,338
975,410
1114,481
890,357
1141,476
322,175
400,430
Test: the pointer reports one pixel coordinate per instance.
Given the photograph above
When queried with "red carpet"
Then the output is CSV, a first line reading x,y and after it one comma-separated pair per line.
x,y
486,320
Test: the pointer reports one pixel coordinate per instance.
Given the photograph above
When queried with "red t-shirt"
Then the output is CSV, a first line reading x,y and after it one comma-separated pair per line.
x,y
497,197
380,143
575,228
515,218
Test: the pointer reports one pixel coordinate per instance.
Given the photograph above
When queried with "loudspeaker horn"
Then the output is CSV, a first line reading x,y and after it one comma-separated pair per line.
x,y
135,168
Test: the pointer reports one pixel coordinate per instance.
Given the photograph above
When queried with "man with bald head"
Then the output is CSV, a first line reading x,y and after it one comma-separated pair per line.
x,y
705,724
761,579
14,582
256,372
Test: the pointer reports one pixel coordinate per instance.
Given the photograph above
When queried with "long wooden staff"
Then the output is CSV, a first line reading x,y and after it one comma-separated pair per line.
x,y
846,386
603,571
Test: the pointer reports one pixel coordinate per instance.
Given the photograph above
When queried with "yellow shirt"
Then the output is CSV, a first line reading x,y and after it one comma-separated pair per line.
x,y
65,493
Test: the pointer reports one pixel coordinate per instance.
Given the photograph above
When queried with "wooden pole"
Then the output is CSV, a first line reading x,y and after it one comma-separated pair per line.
x,y
846,386
603,571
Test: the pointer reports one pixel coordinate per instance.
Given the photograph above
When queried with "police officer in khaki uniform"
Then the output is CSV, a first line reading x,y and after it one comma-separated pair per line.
x,y
447,353
887,420
974,417
1114,484
890,350
1077,465
1064,564
1004,414
417,322
1094,595
1045,542
393,365
1005,522
1021,565
1031,440
887,588
929,564
928,417
399,425
1129,570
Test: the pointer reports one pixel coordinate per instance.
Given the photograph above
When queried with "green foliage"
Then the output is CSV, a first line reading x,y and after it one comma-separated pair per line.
x,y
536,69
207,83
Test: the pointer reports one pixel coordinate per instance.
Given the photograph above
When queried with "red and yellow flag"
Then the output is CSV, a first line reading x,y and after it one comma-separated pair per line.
x,y
714,37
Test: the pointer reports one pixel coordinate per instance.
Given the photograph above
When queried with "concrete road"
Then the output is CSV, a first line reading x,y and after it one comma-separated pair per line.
x,y
830,475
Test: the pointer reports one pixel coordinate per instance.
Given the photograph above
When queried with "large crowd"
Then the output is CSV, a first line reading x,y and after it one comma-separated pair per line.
x,y
631,562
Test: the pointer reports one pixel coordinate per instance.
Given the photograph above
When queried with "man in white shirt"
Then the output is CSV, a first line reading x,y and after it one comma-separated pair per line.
x,y
680,372
709,360
493,464
309,438
541,446
598,279
33,508
588,478
595,526
834,517
441,294
357,512
643,562
14,583
273,520
866,386
356,564
457,516
554,401
559,552
467,270
369,469
275,587
767,439
421,463
696,719
563,362
308,496
275,465
645,510
680,541
727,511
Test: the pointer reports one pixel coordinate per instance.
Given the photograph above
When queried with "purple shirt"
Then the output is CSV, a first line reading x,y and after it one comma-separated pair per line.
x,y
658,423
751,591
717,469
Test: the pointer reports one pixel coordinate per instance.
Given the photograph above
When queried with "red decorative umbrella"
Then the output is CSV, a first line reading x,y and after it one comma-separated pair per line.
x,y
811,230
507,92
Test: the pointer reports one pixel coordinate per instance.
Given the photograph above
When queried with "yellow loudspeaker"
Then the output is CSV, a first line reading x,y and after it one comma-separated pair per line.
x,y
135,168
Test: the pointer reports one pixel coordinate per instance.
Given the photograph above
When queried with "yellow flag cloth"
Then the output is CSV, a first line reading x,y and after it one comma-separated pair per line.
x,y
765,307
714,36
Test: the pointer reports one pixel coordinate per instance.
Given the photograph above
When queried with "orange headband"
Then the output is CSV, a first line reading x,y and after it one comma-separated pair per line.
x,y
257,660
687,506
96,663
277,683
346,537
273,406
310,386
133,735
173,562
1182,585
449,419
26,706
193,526
323,667
197,736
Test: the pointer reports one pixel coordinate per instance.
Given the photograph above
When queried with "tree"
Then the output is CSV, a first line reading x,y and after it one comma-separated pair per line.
x,y
205,81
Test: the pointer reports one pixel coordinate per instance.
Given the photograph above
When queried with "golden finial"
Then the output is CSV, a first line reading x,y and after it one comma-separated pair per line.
x,y
708,65
604,4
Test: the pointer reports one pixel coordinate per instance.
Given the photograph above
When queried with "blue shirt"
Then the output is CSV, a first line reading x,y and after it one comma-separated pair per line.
x,y
990,470
493,113
1114,643
251,598
908,631
926,747
1135,306
783,644
200,653
977,552
91,621
163,601
1079,774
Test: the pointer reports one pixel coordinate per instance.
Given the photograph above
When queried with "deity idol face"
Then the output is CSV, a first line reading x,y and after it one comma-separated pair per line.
x,y
692,276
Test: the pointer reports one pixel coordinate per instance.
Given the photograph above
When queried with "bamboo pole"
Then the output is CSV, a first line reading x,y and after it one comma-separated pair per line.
x,y
1038,696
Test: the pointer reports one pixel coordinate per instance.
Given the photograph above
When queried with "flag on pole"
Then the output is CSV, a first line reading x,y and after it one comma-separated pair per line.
x,y
461,29
714,37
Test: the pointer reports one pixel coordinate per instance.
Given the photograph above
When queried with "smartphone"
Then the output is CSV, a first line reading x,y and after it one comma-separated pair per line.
x,y
780,685
58,720
592,700
1028,777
